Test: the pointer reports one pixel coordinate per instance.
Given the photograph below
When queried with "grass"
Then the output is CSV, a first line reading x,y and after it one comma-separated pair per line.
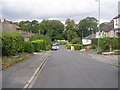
x,y
8,61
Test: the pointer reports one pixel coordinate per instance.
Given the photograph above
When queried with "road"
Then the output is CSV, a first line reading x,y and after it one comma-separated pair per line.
x,y
72,69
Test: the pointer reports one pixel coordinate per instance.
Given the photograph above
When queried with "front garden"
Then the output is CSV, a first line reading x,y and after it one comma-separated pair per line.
x,y
15,49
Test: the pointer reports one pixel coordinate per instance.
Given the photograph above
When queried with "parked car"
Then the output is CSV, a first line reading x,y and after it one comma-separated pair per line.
x,y
55,46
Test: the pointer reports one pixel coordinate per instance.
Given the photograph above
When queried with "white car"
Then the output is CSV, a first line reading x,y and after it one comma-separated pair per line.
x,y
55,47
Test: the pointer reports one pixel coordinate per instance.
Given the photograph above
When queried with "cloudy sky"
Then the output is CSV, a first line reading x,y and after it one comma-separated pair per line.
x,y
57,9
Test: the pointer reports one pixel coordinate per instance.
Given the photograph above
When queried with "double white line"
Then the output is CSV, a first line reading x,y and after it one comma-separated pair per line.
x,y
39,69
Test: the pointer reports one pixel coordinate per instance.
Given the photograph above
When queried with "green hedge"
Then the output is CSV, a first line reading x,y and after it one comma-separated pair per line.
x,y
39,45
48,47
76,46
12,43
68,46
36,45
28,47
105,43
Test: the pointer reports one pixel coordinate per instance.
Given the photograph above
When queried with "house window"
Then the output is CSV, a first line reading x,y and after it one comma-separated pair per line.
x,y
116,21
118,34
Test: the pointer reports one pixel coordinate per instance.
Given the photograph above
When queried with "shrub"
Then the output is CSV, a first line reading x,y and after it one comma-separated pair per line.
x,y
76,41
69,46
12,43
28,47
105,43
48,47
77,46
36,45
41,44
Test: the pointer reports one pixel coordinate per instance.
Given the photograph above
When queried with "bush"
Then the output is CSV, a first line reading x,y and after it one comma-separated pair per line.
x,y
69,46
42,44
76,41
105,43
28,47
12,43
36,45
77,46
48,47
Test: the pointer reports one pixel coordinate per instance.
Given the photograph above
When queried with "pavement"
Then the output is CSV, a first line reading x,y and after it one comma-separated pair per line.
x,y
108,59
73,69
17,76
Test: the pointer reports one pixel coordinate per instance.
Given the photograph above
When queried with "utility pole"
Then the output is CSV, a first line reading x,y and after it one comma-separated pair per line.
x,y
39,34
82,39
98,50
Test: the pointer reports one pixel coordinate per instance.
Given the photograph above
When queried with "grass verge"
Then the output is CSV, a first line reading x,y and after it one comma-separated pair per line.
x,y
8,61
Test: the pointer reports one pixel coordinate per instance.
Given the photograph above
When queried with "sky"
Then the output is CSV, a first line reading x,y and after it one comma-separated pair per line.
x,y
17,10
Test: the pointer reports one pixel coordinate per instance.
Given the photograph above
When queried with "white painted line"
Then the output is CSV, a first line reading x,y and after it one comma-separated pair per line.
x,y
36,72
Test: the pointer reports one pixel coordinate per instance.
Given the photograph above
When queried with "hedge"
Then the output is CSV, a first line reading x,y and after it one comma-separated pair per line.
x,y
48,47
36,45
28,47
105,43
76,46
68,46
62,41
12,43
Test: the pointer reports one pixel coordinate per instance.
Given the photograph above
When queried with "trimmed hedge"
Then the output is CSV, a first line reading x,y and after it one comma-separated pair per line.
x,y
12,43
36,45
76,46
62,41
68,46
28,47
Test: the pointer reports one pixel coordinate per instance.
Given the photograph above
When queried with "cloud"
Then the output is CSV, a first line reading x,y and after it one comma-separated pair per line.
x,y
59,9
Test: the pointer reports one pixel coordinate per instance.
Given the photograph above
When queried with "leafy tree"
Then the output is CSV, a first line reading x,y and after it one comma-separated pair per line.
x,y
52,28
87,25
70,35
70,24
76,40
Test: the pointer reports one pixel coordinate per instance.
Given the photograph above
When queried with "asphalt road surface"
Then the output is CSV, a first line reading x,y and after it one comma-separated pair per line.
x,y
71,69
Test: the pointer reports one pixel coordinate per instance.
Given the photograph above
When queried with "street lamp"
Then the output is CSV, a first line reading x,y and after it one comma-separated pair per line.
x,y
82,39
98,50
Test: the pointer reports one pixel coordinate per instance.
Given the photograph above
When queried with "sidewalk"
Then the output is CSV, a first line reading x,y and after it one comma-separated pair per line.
x,y
109,59
17,75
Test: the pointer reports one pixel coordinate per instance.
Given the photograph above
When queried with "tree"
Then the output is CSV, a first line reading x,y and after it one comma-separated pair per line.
x,y
76,40
88,26
52,28
71,35
70,24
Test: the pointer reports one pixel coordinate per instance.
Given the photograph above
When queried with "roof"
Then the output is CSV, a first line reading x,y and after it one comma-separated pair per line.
x,y
108,27
118,16
26,34
16,26
90,36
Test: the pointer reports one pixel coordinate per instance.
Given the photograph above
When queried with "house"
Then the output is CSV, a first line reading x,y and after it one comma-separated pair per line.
x,y
109,30
9,26
117,25
88,40
112,29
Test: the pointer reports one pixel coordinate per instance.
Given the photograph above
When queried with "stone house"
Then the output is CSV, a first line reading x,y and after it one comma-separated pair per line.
x,y
9,26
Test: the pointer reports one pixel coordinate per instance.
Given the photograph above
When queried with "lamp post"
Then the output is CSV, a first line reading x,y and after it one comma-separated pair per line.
x,y
39,34
98,50
82,39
